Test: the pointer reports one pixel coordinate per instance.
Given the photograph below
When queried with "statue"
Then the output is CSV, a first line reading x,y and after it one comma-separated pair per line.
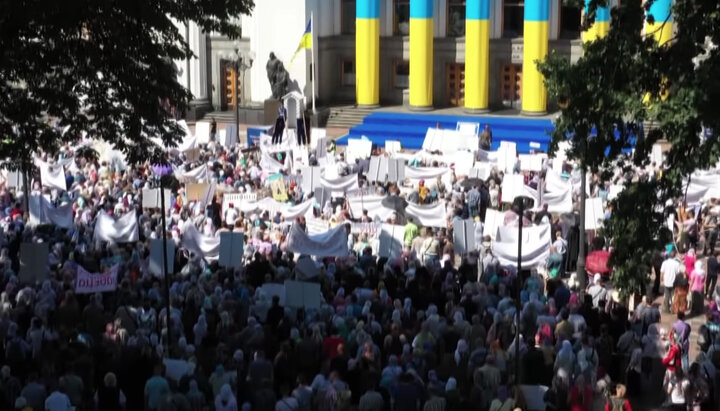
x,y
277,76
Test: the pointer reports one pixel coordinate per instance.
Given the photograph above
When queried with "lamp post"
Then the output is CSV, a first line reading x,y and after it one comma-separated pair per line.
x,y
160,172
520,204
241,62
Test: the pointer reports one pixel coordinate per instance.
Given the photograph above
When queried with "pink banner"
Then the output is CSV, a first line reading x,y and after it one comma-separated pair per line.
x,y
89,283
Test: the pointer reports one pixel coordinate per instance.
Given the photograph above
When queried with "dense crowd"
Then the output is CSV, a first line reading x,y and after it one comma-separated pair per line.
x,y
427,329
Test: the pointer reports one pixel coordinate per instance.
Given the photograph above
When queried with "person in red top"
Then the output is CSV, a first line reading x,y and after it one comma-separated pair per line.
x,y
330,345
673,358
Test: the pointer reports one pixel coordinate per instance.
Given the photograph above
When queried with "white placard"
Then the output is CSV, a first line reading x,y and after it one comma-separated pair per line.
x,y
202,132
392,146
156,263
594,214
151,198
512,186
357,148
391,240
316,226
302,294
237,199
231,249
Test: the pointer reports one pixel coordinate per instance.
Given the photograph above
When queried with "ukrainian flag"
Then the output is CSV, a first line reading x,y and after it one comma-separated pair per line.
x,y
305,41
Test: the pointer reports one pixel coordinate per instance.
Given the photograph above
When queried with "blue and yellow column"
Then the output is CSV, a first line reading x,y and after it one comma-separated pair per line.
x,y
600,27
367,52
662,27
477,54
421,54
535,48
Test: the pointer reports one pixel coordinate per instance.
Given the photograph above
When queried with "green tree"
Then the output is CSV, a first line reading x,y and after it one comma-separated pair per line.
x,y
622,81
101,67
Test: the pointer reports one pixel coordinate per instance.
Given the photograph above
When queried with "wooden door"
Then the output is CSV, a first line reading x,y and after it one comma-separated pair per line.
x,y
455,84
511,85
229,96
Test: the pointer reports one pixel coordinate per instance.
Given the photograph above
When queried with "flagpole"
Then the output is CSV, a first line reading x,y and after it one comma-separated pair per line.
x,y
312,56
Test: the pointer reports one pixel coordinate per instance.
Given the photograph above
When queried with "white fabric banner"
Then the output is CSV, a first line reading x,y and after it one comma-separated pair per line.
x,y
269,163
52,175
90,283
535,246
594,213
201,245
391,240
558,201
432,215
332,243
341,185
196,175
493,220
43,212
122,230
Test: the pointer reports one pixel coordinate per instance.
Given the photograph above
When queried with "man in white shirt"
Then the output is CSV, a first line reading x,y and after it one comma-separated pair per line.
x,y
57,401
231,214
669,269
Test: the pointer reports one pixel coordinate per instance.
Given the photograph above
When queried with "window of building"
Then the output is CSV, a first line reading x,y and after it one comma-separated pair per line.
x,y
570,20
401,75
348,72
456,18
513,18
347,24
401,17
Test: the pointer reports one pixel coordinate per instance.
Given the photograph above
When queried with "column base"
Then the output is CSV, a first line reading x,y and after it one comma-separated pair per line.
x,y
476,110
197,109
369,106
420,108
533,113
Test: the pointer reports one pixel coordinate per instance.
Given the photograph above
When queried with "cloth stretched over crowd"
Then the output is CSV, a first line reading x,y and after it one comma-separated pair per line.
x,y
197,174
343,184
535,245
332,243
201,245
269,163
430,215
43,212
122,230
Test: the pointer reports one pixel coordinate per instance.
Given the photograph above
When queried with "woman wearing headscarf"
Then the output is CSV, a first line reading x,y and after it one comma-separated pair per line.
x,y
225,400
200,330
109,397
565,360
195,397
697,288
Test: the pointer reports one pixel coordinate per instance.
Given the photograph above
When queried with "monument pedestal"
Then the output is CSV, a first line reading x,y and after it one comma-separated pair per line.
x,y
270,108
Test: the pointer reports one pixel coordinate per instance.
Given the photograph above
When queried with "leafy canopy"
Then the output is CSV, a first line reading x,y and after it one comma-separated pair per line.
x,y
624,80
105,67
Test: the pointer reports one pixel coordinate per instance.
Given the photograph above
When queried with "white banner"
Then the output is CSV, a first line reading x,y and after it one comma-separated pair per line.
x,y
201,245
535,246
332,243
122,230
90,283
43,212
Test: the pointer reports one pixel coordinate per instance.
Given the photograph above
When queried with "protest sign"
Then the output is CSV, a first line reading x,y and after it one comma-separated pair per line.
x,y
368,228
302,294
395,170
316,225
322,196
237,199
195,191
175,369
391,240
392,146
156,263
231,249
464,236
192,155
91,283
378,169
310,178
277,185
230,138
357,148
272,289
33,262
202,132
15,179
151,198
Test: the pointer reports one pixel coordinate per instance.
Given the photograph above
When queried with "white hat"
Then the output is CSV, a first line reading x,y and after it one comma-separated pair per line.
x,y
597,278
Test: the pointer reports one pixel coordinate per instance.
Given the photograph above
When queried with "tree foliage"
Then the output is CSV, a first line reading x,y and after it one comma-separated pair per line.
x,y
104,67
624,80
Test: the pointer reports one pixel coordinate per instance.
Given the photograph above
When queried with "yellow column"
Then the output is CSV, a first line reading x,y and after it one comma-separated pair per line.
x,y
421,54
600,27
477,54
535,48
367,52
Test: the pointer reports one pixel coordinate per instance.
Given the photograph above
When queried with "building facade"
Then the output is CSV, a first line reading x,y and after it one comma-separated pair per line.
x,y
476,54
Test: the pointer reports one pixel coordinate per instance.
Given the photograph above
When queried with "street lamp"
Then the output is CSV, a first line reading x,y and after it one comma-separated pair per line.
x,y
160,171
520,204
241,61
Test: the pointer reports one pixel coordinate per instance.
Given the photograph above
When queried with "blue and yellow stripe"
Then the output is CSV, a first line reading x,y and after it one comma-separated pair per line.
x,y
662,27
477,54
600,27
367,52
305,41
535,48
421,53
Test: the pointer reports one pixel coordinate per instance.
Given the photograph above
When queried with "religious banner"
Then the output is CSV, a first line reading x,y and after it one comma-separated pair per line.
x,y
195,191
277,185
90,283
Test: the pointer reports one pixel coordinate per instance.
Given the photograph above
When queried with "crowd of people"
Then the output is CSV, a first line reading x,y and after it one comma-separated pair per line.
x,y
427,329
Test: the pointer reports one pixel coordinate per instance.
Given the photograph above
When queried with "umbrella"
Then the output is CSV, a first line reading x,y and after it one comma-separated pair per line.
x,y
396,204
596,262
162,169
469,183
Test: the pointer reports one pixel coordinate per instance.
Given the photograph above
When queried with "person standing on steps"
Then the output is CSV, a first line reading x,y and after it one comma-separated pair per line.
x,y
280,123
